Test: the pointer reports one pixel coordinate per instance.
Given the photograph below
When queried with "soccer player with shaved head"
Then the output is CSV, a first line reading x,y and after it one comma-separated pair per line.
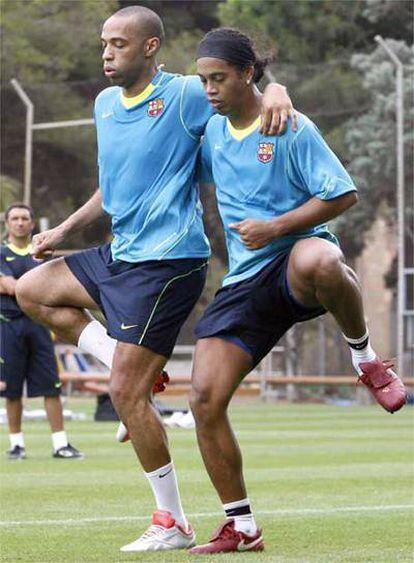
x,y
275,196
149,124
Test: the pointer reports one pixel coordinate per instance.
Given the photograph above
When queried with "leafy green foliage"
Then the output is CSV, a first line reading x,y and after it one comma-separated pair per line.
x,y
47,46
309,31
10,190
371,140
350,96
51,40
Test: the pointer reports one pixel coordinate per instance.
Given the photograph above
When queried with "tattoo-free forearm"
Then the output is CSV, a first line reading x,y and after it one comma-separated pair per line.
x,y
313,212
7,285
88,213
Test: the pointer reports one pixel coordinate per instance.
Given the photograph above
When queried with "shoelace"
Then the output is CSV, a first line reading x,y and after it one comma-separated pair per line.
x,y
386,364
153,530
225,531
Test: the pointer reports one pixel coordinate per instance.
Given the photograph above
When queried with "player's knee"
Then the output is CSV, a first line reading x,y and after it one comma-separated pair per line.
x,y
125,396
197,400
205,405
329,268
25,293
120,395
320,269
313,259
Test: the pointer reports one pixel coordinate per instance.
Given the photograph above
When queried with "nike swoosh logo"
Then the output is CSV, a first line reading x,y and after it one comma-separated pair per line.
x,y
126,327
242,546
107,114
10,258
161,475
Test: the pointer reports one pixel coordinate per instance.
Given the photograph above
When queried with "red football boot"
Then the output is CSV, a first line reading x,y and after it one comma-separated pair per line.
x,y
383,383
226,539
160,383
163,378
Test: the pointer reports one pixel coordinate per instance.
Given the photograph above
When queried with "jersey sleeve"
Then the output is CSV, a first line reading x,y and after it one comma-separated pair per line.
x,y
204,166
313,166
195,109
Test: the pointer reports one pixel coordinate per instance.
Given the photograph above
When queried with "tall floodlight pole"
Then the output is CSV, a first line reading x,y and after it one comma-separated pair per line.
x,y
29,140
400,200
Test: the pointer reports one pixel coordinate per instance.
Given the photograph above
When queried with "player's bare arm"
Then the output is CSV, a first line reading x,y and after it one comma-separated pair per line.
x,y
88,213
257,233
276,109
7,285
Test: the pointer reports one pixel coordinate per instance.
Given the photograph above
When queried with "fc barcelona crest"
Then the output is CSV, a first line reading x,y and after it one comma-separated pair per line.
x,y
265,152
155,107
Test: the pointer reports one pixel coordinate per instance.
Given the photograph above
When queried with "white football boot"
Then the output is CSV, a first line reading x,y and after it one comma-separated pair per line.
x,y
164,533
186,421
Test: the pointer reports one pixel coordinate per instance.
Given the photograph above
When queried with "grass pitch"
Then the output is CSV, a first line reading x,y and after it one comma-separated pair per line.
x,y
327,484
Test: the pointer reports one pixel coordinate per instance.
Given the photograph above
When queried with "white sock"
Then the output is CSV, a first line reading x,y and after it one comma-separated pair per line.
x,y
242,522
59,440
164,485
16,440
94,340
360,355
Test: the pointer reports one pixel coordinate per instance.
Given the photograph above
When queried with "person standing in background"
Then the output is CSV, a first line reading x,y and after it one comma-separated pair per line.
x,y
27,351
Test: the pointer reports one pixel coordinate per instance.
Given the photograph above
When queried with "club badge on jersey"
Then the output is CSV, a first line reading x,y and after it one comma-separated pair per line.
x,y
265,152
155,107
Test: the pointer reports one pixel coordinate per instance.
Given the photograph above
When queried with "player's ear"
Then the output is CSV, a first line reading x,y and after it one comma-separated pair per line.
x,y
248,75
152,46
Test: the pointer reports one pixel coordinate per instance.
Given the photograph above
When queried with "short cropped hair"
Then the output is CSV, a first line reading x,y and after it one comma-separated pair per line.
x,y
19,205
149,20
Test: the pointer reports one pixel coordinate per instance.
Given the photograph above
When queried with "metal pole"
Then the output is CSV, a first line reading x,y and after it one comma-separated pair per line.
x,y
400,200
29,140
322,346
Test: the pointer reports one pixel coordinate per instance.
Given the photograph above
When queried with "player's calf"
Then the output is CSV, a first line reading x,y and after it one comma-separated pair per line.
x,y
159,386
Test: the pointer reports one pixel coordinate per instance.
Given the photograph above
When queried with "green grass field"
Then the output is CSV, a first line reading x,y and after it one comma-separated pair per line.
x,y
327,484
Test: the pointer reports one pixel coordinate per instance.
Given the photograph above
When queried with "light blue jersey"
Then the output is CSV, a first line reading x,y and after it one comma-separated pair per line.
x,y
259,177
146,156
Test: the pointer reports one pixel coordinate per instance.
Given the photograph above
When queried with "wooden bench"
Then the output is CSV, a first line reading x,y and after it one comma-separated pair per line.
x,y
97,382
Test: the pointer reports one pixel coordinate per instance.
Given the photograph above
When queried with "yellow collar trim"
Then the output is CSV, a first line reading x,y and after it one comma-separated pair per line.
x,y
20,251
131,102
240,134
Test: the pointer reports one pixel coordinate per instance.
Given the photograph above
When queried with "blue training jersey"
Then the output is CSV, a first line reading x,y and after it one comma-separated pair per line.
x,y
259,177
146,156
14,262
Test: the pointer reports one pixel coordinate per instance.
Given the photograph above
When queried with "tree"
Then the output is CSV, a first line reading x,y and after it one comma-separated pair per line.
x,y
371,142
52,47
10,191
351,97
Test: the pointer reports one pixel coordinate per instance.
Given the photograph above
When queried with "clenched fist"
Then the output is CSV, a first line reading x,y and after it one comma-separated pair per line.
x,y
255,233
45,243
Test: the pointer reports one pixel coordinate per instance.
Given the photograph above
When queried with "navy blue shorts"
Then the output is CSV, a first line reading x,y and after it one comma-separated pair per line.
x,y
28,355
145,303
255,313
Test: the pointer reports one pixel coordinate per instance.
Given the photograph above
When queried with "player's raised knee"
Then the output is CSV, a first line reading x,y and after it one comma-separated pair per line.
x,y
329,267
314,260
26,291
